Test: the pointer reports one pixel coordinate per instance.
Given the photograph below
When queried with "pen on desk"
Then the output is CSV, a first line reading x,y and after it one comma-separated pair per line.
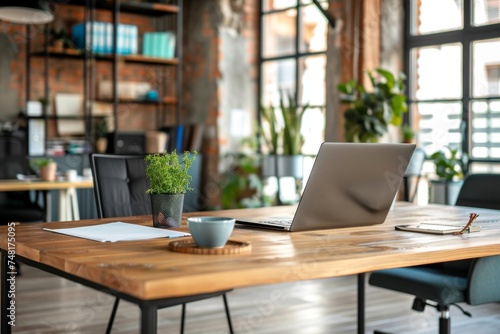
x,y
472,217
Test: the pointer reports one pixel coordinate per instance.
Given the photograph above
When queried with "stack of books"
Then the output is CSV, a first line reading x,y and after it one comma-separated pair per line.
x,y
102,37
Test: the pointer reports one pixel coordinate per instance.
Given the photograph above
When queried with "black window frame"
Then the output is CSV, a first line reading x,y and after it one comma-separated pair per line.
x,y
465,36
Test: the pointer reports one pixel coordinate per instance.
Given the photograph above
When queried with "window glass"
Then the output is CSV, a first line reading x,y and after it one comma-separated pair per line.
x,y
486,68
431,16
277,77
313,127
438,125
279,34
437,72
485,129
486,12
314,29
312,80
277,4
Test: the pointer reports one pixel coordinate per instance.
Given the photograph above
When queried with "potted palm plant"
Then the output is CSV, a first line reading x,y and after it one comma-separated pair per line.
x,y
169,178
284,139
369,114
449,171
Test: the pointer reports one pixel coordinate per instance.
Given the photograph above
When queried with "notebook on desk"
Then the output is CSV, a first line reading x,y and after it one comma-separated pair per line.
x,y
351,184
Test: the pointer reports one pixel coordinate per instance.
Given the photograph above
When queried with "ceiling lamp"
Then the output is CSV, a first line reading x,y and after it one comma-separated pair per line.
x,y
26,12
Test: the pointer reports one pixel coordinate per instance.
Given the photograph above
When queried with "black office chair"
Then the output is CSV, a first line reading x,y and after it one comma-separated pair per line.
x,y
16,206
445,284
120,185
413,172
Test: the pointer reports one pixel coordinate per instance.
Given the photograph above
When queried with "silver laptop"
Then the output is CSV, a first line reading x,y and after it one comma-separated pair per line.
x,y
351,184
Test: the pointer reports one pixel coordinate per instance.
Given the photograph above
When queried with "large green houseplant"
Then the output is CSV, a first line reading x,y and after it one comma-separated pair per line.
x,y
449,171
369,114
281,132
169,178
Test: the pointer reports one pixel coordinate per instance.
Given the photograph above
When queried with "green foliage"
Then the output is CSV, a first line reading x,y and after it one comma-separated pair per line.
x,y
448,164
61,35
167,174
369,114
101,128
44,162
287,135
407,133
241,185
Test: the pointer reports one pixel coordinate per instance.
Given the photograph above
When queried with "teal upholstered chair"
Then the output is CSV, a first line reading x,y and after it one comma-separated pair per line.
x,y
445,284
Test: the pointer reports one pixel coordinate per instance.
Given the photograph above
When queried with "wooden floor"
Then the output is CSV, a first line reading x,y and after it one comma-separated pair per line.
x,y
48,304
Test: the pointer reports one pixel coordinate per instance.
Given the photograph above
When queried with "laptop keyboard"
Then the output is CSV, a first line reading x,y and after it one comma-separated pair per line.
x,y
276,222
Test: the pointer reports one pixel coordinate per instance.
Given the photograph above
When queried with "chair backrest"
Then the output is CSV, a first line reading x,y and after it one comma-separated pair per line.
x,y
13,161
481,191
120,185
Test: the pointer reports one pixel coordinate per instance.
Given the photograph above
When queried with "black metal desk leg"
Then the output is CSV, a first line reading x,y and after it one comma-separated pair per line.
x,y
149,323
361,303
8,309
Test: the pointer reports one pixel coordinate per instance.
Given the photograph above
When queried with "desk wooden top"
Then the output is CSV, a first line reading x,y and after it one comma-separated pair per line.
x,y
148,270
22,185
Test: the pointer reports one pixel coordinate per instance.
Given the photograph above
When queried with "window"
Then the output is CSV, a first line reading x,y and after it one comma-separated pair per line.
x,y
293,61
453,65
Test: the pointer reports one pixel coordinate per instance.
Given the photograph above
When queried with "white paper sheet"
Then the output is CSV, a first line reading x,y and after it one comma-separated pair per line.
x,y
118,231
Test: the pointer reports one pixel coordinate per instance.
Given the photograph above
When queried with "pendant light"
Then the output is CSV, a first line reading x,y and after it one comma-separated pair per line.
x,y
26,11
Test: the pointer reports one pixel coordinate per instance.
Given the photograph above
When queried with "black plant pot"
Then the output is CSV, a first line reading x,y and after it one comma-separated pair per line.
x,y
167,209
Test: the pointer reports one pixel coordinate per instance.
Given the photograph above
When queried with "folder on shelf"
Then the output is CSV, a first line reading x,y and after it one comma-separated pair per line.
x,y
102,37
196,137
158,44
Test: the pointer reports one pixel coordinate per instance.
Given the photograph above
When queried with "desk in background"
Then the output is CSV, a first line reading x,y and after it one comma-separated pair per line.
x,y
147,274
68,199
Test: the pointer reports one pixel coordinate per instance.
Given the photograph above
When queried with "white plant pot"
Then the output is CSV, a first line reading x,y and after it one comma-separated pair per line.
x,y
444,192
287,165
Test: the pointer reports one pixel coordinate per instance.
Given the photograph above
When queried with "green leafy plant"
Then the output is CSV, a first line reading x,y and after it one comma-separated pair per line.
x,y
61,35
241,185
44,162
369,113
448,164
101,129
167,173
407,133
285,134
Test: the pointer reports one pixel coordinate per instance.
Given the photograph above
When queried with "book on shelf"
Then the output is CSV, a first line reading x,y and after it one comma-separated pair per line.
x,y
158,44
101,34
184,137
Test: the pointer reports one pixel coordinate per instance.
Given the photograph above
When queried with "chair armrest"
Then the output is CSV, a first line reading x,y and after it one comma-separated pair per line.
x,y
484,282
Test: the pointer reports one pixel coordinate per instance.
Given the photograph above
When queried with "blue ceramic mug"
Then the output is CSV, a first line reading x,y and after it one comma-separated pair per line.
x,y
210,232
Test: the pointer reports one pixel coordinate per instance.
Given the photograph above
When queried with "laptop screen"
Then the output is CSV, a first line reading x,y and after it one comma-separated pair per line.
x,y
351,184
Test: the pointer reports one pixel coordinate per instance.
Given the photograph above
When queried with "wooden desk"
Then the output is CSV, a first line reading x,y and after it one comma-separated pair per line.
x,y
148,274
68,199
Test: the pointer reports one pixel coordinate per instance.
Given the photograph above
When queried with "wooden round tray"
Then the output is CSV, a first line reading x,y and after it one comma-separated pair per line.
x,y
189,246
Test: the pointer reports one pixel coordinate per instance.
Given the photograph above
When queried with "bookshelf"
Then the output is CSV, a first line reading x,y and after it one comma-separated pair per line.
x,y
167,104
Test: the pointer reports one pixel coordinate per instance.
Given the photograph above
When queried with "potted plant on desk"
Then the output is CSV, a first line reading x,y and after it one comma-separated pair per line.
x,y
47,168
101,135
169,180
449,170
